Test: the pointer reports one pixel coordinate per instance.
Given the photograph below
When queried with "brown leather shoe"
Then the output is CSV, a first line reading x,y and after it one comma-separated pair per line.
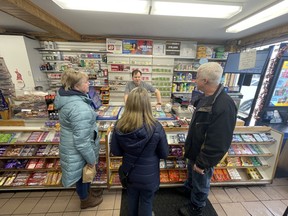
x,y
96,192
91,202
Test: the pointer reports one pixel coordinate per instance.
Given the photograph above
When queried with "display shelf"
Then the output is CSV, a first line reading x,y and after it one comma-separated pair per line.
x,y
266,166
38,160
155,70
57,61
42,50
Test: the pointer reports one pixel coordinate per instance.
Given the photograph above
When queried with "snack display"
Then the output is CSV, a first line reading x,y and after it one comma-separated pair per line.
x,y
253,173
108,112
164,176
234,174
220,175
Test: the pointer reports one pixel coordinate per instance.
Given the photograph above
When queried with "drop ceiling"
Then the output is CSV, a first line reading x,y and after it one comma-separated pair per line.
x,y
99,25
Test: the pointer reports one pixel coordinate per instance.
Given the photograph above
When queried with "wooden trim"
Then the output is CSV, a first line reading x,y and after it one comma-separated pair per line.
x,y
31,13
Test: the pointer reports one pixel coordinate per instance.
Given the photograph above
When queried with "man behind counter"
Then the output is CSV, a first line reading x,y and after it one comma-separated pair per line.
x,y
136,77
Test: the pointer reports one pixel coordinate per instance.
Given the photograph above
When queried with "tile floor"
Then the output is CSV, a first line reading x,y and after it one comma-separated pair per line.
x,y
235,201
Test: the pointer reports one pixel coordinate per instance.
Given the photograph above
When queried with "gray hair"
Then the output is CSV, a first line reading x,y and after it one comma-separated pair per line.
x,y
212,71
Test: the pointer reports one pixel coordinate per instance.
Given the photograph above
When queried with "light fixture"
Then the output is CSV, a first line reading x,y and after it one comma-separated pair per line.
x,y
261,17
118,6
209,9
205,10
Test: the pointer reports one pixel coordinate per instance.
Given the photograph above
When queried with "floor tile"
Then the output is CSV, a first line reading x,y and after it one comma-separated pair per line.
x,y
10,206
36,194
275,206
6,195
220,195
26,206
283,190
285,202
37,214
108,202
117,204
272,193
256,208
280,181
71,213
234,195
116,212
73,205
43,205
66,193
54,214
3,201
21,194
247,194
104,213
259,193
88,213
60,204
212,198
219,210
109,192
52,193
230,208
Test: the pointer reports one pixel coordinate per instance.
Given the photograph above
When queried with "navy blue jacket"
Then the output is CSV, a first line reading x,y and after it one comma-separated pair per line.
x,y
146,173
211,130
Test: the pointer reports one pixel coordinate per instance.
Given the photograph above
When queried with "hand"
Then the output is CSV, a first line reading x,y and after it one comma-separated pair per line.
x,y
91,165
191,108
198,170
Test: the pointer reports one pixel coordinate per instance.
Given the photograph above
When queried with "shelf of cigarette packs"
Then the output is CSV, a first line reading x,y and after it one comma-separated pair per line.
x,y
251,158
29,158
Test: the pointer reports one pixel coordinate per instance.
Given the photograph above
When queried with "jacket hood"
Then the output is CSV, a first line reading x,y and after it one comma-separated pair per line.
x,y
134,140
64,97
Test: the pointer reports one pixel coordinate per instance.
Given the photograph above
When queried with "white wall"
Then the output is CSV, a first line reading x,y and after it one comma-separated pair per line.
x,y
35,60
19,53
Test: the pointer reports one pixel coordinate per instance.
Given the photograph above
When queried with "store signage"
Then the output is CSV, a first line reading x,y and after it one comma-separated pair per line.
x,y
139,47
173,48
114,46
247,60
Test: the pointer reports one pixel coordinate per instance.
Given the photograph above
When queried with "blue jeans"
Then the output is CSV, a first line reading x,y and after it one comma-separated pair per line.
x,y
140,202
199,184
188,182
82,189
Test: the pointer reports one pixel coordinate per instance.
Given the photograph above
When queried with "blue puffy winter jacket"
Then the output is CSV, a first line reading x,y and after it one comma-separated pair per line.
x,y
78,142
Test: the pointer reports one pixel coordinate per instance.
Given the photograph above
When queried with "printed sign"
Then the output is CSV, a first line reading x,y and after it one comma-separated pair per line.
x,y
173,48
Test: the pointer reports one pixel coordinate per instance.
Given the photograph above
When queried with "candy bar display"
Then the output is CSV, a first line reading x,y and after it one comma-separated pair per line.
x,y
253,173
234,174
164,176
220,175
21,179
176,151
30,159
108,113
173,175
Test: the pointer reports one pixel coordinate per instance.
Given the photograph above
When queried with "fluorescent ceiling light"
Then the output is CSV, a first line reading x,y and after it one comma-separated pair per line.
x,y
213,10
118,6
261,17
207,10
